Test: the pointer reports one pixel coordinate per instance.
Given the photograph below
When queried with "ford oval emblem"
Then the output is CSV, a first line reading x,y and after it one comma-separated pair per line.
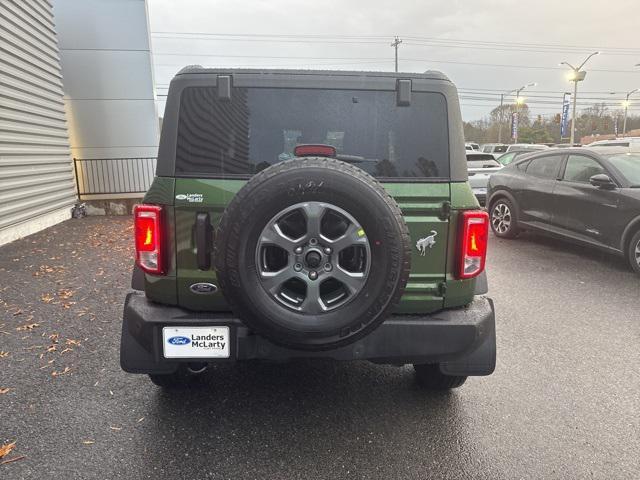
x,y
179,341
203,288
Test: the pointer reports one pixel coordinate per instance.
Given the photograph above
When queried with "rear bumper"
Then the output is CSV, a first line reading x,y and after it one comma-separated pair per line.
x,y
461,340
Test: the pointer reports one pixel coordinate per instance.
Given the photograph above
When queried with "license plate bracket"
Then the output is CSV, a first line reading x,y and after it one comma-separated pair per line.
x,y
196,342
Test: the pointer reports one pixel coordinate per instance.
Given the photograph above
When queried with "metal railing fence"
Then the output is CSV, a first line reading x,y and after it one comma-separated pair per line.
x,y
113,175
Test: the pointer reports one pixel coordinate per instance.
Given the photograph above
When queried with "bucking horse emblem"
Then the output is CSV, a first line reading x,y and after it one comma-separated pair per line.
x,y
426,242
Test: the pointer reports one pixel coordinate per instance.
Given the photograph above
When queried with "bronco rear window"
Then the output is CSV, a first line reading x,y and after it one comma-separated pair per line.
x,y
261,126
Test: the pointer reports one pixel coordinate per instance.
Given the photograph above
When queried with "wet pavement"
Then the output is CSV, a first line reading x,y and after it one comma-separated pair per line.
x,y
564,401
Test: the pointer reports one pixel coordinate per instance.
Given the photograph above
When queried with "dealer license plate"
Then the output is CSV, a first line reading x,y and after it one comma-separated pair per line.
x,y
196,342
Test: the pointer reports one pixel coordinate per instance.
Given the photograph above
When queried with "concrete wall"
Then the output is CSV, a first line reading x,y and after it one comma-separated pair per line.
x,y
37,187
109,92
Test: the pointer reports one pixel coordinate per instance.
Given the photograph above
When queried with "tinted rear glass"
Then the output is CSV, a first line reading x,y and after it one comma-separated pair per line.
x,y
545,167
262,126
480,157
611,144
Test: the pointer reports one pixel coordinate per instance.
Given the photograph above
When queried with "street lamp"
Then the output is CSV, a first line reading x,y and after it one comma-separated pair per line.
x,y
577,75
626,107
519,100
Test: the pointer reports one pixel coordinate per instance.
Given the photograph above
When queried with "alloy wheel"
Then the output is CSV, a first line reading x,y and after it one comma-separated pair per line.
x,y
313,257
501,218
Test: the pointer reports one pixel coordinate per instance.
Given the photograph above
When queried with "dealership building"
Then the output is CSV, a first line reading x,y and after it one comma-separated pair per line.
x,y
78,118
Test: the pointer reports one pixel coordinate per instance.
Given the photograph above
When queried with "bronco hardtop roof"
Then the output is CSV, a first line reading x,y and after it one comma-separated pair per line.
x,y
198,69
225,80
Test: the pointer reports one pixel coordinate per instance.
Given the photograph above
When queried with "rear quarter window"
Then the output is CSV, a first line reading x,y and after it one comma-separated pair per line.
x,y
259,127
545,167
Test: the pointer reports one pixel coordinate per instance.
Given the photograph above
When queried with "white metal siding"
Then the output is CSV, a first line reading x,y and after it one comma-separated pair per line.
x,y
36,173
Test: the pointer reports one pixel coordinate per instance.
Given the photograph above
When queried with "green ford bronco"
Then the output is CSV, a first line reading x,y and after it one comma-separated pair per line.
x,y
299,214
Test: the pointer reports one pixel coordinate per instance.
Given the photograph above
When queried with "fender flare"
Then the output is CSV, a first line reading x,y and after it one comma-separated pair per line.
x,y
629,230
502,193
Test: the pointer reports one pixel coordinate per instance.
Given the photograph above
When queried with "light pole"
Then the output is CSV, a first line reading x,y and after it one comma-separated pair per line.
x,y
626,107
517,90
577,75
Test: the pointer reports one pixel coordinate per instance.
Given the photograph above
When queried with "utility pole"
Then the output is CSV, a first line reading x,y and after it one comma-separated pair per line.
x,y
500,119
517,119
577,76
626,107
396,43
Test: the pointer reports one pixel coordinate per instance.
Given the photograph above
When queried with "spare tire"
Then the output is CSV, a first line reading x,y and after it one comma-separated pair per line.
x,y
312,253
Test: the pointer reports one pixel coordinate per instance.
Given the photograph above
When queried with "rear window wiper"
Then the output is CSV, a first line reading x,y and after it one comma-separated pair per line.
x,y
355,159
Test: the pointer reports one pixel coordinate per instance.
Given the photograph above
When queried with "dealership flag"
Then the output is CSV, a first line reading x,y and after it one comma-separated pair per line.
x,y
566,100
514,125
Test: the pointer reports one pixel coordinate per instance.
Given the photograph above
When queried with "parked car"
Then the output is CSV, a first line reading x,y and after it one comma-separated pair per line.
x,y
566,145
617,142
272,234
471,146
518,147
587,195
507,158
480,167
495,148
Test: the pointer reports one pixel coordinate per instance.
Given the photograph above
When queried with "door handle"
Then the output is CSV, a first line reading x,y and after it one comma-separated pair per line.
x,y
204,235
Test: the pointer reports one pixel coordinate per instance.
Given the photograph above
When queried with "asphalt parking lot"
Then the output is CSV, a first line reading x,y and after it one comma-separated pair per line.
x,y
564,401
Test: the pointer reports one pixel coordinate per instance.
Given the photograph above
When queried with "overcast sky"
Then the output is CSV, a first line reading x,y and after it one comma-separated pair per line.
x,y
586,24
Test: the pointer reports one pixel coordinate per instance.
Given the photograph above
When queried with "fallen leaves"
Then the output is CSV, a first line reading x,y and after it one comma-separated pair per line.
x,y
55,373
28,326
88,442
65,293
47,298
44,269
3,354
4,390
5,450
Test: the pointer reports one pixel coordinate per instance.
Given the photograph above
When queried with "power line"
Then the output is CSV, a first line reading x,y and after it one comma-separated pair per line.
x,y
332,38
380,59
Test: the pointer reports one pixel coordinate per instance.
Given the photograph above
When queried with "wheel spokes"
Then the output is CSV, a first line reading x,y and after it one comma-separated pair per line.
x,y
313,303
352,281
313,213
501,218
352,237
300,266
273,235
273,281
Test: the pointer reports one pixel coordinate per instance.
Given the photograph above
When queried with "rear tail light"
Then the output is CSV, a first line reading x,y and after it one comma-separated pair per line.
x,y
473,243
148,233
